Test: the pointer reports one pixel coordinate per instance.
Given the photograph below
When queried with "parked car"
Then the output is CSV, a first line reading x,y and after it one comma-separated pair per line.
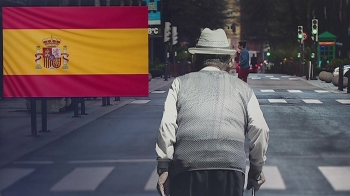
x,y
346,69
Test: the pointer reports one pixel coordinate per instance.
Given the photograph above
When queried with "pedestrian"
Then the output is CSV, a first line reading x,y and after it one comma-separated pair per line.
x,y
243,61
207,116
254,63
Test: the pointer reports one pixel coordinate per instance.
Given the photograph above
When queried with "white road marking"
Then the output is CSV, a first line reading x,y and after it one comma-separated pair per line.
x,y
338,177
9,176
269,76
256,78
311,101
274,78
83,179
158,92
294,91
274,180
34,162
321,91
277,101
293,78
152,181
112,161
344,101
140,101
267,91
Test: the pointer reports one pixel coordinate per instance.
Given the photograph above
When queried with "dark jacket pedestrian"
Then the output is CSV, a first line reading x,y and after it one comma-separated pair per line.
x,y
207,115
253,61
243,61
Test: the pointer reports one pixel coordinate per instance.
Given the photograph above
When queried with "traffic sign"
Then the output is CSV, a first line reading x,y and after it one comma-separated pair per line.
x,y
304,36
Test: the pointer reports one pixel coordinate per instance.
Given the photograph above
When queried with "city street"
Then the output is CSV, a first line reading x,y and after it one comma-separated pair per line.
x,y
309,151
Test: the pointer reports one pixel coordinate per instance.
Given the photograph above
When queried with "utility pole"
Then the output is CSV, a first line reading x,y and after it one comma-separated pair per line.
x,y
301,42
167,41
174,42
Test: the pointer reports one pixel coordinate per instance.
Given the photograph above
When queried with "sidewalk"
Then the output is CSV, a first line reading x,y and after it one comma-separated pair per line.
x,y
324,85
15,123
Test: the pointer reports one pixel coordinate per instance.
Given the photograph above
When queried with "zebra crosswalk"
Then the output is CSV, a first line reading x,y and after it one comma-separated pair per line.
x,y
306,101
83,179
271,92
9,176
337,177
272,173
317,100
271,77
90,178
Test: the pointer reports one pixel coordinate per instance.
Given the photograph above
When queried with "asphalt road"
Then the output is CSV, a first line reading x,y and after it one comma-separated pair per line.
x,y
309,152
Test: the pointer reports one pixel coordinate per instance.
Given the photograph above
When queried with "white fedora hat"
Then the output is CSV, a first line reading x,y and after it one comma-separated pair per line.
x,y
212,42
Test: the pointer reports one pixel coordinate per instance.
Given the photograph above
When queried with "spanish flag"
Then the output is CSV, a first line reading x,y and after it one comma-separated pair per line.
x,y
75,51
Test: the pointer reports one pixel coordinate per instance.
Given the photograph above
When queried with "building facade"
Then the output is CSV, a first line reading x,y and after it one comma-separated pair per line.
x,y
233,27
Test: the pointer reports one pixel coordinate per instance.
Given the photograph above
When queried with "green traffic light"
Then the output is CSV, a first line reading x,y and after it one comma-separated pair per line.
x,y
268,53
314,31
300,36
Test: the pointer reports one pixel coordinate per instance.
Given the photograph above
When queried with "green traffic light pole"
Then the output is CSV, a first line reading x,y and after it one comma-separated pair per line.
x,y
300,40
314,60
300,59
314,33
166,68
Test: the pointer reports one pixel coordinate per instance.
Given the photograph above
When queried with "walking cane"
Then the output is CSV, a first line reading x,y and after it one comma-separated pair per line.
x,y
253,189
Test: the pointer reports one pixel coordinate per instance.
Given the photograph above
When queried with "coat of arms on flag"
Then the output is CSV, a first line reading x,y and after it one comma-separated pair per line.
x,y
52,54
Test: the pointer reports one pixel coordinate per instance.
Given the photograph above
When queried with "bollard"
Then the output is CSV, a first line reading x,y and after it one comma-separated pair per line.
x,y
44,115
104,101
108,101
116,98
33,117
76,107
327,77
348,88
82,106
340,80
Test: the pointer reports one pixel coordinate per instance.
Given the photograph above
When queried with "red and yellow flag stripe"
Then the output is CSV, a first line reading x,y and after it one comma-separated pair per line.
x,y
107,51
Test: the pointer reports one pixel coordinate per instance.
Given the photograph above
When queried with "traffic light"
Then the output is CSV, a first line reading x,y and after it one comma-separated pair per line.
x,y
300,32
174,35
312,55
167,31
268,53
314,26
298,55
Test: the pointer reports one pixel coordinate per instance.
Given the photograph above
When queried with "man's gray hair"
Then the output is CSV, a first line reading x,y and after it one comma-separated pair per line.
x,y
215,63
204,60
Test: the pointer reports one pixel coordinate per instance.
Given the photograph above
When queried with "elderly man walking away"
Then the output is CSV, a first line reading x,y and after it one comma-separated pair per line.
x,y
243,61
207,115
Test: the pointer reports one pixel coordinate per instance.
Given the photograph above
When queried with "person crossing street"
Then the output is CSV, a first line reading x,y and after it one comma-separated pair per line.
x,y
207,116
